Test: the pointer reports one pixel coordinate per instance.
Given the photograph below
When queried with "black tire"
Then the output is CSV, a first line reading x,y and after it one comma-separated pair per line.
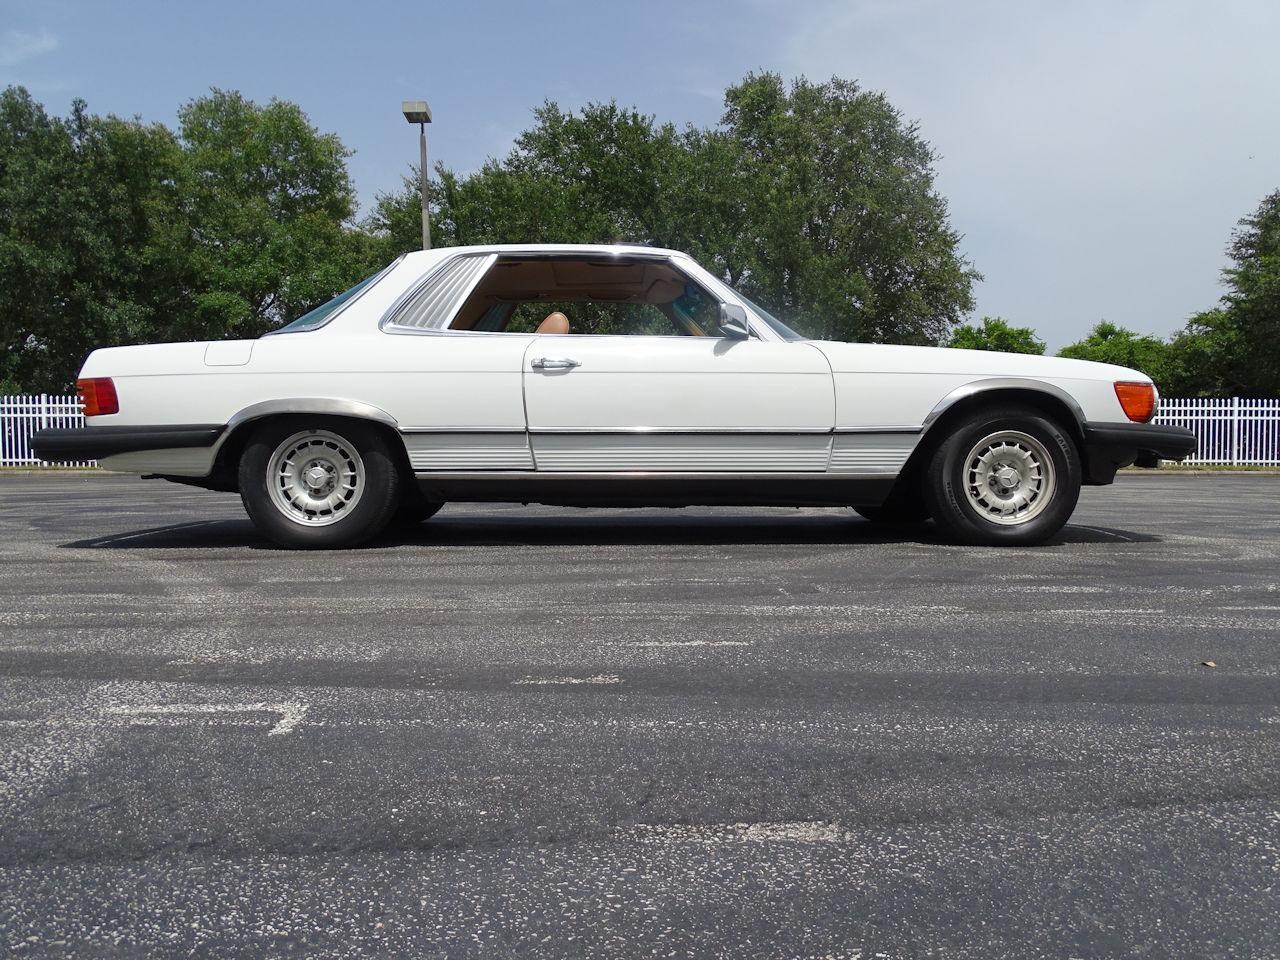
x,y
954,464
897,511
366,513
414,508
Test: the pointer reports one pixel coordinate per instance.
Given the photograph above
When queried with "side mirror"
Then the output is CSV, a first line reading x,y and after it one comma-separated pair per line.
x,y
733,322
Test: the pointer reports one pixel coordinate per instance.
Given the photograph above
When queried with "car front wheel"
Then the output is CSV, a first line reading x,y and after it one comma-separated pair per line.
x,y
1004,477
332,484
414,508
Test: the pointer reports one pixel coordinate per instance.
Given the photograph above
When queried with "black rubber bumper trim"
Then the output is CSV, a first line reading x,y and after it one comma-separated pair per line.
x,y
1110,446
94,443
1168,443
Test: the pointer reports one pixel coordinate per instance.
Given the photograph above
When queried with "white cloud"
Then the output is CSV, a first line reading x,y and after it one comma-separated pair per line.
x,y
18,46
1096,154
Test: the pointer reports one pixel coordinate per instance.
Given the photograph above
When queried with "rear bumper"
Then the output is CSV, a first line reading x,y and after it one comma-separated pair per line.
x,y
96,443
1110,446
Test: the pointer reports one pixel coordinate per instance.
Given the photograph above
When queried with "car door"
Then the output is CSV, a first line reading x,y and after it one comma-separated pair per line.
x,y
677,404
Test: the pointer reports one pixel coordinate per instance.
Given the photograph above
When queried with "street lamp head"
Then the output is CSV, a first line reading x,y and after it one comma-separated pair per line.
x,y
416,111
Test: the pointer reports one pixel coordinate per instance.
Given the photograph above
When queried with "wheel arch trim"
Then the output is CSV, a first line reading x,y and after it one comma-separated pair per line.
x,y
321,406
326,406
976,388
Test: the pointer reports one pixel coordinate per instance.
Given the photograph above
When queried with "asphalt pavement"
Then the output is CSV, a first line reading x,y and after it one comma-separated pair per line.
x,y
543,732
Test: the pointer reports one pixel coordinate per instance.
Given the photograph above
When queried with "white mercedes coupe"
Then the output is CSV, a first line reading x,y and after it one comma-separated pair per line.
x,y
603,376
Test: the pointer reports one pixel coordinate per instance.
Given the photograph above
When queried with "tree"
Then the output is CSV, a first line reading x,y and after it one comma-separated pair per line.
x,y
266,204
1202,358
37,162
79,200
994,333
1251,305
597,176
115,231
844,233
817,200
1109,343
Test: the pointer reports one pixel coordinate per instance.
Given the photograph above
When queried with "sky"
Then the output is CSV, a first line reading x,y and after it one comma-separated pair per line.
x,y
1096,154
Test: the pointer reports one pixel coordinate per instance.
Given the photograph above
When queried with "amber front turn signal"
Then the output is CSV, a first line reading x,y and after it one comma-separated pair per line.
x,y
1137,400
98,396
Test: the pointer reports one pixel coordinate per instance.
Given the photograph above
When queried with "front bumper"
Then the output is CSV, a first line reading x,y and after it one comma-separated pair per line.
x,y
1110,446
95,443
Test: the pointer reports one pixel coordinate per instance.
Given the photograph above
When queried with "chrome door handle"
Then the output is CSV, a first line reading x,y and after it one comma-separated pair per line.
x,y
547,363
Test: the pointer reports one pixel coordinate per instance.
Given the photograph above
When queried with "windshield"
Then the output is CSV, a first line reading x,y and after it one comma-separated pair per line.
x,y
322,314
778,327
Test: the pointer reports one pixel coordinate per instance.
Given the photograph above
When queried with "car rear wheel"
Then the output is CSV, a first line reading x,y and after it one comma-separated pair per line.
x,y
1004,477
310,485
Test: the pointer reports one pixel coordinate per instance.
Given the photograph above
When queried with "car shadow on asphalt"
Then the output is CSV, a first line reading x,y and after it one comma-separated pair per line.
x,y
607,530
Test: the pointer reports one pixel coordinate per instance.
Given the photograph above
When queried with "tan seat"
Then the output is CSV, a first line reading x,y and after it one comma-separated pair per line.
x,y
554,323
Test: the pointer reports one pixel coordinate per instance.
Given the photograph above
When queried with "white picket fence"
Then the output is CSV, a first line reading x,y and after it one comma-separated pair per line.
x,y
22,416
1231,430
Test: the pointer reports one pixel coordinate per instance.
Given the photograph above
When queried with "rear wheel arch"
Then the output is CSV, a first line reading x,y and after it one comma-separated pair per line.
x,y
363,490
242,426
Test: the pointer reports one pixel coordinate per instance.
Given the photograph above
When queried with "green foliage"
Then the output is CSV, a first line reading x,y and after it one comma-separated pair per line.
x,y
114,231
1202,357
80,199
842,231
1244,335
817,200
266,197
994,333
1234,350
1109,343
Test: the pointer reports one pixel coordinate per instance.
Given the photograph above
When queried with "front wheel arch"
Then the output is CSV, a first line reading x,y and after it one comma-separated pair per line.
x,y
911,476
1044,477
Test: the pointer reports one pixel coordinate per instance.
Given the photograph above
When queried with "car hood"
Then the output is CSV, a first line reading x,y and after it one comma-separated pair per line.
x,y
892,358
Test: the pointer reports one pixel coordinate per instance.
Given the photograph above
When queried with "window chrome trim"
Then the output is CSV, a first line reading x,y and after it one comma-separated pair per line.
x,y
377,279
682,262
727,294
438,294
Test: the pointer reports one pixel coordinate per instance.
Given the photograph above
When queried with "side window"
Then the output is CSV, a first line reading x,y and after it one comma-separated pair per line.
x,y
598,318
599,296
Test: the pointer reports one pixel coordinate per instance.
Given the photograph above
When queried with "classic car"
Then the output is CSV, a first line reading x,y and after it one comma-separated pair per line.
x,y
603,376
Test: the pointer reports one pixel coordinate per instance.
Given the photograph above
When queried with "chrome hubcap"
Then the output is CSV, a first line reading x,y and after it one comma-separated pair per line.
x,y
1009,477
319,476
315,477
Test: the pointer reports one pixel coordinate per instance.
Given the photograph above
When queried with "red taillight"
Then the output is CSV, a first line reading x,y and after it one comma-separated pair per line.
x,y
1137,400
98,396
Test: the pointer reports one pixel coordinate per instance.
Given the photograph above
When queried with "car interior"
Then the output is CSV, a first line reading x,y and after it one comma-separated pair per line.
x,y
581,295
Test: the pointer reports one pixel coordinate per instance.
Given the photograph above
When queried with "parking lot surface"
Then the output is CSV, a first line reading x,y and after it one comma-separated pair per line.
x,y
527,731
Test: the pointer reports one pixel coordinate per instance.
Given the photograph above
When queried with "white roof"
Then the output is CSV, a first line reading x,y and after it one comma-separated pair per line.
x,y
612,249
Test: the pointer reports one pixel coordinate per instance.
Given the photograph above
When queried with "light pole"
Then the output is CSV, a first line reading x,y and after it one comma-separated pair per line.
x,y
417,111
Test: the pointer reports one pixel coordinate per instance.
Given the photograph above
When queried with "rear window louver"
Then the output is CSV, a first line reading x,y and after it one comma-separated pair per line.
x,y
432,305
